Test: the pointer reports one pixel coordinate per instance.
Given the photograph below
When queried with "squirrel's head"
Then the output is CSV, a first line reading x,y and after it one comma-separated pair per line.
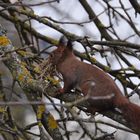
x,y
64,48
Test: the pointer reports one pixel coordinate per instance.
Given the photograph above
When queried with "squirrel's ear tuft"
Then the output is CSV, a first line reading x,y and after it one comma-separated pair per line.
x,y
63,41
69,45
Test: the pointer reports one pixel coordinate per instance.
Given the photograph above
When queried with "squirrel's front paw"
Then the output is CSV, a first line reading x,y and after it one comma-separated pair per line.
x,y
60,91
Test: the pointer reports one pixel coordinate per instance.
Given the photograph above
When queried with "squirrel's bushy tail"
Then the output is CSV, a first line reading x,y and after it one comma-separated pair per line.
x,y
131,113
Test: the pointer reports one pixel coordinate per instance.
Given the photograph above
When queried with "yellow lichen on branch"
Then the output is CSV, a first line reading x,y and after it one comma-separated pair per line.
x,y
4,41
52,122
24,53
40,111
52,80
24,75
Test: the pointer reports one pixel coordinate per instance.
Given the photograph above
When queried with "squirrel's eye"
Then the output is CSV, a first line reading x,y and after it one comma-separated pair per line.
x,y
51,55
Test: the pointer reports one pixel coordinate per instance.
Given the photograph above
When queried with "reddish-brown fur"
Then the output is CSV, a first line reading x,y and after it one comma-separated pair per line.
x,y
104,93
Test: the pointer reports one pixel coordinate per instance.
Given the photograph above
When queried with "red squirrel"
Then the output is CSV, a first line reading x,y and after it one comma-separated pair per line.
x,y
90,80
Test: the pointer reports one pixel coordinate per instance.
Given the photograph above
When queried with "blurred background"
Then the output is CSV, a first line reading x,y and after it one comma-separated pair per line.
x,y
121,21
